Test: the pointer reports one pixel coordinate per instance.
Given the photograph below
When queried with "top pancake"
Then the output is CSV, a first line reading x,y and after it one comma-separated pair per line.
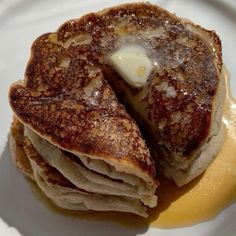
x,y
66,98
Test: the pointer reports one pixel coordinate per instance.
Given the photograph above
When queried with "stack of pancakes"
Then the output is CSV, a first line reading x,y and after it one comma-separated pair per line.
x,y
72,133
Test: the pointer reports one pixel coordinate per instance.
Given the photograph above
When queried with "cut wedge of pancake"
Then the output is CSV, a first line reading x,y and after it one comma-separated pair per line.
x,y
58,188
90,180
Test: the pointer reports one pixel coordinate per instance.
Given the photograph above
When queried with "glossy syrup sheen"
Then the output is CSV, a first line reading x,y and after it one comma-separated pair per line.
x,y
198,201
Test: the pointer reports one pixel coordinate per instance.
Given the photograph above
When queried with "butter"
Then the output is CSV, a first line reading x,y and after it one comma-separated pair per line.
x,y
132,64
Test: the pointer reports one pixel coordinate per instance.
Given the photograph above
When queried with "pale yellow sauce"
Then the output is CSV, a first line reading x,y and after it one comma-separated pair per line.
x,y
198,201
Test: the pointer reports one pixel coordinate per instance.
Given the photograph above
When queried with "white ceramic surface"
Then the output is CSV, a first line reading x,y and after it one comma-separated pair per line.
x,y
21,21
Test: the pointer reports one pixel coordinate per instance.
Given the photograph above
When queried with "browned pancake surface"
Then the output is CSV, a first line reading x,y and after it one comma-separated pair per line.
x,y
66,97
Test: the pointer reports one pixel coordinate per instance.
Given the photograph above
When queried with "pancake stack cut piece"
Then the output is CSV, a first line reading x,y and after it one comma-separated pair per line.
x,y
93,191
74,130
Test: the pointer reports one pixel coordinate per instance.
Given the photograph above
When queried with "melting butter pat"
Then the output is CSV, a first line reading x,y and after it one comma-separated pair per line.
x,y
132,64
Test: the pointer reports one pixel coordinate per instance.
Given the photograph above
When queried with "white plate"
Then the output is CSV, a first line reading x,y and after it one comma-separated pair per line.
x,y
20,23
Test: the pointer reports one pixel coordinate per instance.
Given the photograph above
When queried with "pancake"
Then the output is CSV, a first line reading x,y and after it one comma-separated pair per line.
x,y
19,157
89,180
59,189
79,113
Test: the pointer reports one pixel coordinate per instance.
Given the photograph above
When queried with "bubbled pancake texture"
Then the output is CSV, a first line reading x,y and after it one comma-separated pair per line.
x,y
67,99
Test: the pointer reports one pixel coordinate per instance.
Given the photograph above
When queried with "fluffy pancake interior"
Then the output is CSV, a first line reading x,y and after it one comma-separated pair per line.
x,y
66,195
89,179
59,189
